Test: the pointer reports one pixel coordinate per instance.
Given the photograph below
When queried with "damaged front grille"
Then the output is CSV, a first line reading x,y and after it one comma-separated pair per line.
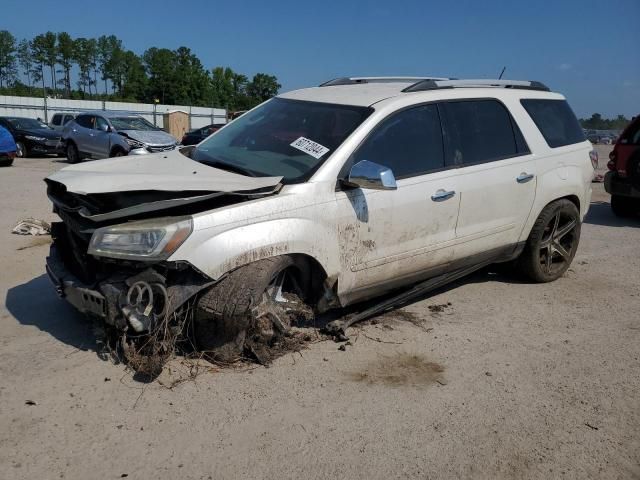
x,y
160,148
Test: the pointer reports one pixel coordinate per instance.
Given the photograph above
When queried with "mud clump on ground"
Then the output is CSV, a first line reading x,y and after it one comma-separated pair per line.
x,y
399,370
439,308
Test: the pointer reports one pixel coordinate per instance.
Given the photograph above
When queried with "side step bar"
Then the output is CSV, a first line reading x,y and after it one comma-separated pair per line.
x,y
338,328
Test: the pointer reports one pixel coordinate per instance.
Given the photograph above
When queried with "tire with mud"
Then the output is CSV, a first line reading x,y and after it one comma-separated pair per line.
x,y
552,243
225,321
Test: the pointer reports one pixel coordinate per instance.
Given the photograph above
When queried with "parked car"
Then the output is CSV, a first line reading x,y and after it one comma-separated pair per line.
x,y
31,136
622,180
7,148
59,120
199,134
321,198
112,134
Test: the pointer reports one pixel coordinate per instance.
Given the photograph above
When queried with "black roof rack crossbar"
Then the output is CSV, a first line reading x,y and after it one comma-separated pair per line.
x,y
360,80
431,84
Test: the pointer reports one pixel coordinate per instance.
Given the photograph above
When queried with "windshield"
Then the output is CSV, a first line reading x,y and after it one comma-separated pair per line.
x,y
288,138
26,123
131,123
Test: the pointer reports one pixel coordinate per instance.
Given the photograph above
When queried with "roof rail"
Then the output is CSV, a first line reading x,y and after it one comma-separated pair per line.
x,y
434,84
359,80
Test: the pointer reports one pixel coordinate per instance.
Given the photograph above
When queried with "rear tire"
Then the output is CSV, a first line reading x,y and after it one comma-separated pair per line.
x,y
624,206
223,317
72,153
552,243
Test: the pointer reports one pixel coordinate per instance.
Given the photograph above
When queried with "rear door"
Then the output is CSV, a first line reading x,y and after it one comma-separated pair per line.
x,y
496,175
402,234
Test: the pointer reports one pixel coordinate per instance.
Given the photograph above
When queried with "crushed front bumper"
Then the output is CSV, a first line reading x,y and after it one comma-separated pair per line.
x,y
84,298
137,299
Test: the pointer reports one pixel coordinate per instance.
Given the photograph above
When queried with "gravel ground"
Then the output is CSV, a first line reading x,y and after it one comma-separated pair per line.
x,y
511,380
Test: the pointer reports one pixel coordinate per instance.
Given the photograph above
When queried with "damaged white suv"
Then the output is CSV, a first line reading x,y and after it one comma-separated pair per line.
x,y
323,197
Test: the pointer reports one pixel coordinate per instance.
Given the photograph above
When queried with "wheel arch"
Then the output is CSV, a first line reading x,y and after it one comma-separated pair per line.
x,y
116,148
310,243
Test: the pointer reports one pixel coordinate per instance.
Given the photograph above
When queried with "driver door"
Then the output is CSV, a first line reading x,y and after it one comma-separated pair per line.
x,y
100,139
402,234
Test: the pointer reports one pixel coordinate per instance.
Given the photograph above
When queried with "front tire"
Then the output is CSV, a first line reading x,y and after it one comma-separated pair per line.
x,y
21,150
72,153
623,206
552,243
244,310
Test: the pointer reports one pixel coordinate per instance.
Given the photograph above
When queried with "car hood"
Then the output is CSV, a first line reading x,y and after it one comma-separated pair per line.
x,y
124,187
168,171
41,132
150,137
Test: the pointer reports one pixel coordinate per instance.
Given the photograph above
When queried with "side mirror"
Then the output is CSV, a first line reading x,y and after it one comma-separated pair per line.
x,y
366,174
105,128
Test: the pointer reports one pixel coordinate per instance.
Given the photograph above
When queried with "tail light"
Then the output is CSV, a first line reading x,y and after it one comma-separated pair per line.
x,y
593,155
611,164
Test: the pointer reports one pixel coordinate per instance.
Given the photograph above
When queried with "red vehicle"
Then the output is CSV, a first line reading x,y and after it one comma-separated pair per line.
x,y
622,180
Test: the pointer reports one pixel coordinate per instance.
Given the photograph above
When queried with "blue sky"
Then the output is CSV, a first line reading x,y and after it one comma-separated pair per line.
x,y
586,49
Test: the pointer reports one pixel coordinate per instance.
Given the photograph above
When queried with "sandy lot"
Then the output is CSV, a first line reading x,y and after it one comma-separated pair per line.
x,y
512,380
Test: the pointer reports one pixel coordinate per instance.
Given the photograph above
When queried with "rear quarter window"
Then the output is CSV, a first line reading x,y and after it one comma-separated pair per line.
x,y
555,120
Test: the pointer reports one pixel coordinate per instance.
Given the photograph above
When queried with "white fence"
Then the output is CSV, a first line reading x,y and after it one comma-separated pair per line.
x,y
44,108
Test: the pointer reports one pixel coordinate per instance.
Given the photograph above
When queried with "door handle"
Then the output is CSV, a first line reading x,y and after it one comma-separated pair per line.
x,y
524,177
442,195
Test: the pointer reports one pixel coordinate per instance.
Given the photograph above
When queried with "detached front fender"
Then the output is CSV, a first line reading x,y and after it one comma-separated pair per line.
x,y
216,254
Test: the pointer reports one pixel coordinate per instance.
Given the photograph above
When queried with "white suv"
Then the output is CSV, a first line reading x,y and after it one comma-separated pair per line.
x,y
325,196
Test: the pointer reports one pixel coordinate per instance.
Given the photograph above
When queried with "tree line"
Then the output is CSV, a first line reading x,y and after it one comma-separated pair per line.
x,y
57,65
596,122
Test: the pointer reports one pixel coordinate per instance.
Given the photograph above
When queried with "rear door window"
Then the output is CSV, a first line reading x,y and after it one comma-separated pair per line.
x,y
480,131
67,119
56,119
408,142
555,120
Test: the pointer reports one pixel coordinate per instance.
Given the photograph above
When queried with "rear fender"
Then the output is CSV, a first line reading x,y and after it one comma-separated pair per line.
x,y
561,182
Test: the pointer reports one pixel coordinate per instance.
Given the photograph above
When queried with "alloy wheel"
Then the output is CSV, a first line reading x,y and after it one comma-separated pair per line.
x,y
558,242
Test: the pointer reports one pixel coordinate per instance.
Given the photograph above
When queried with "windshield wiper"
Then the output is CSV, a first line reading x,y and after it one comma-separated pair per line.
x,y
230,168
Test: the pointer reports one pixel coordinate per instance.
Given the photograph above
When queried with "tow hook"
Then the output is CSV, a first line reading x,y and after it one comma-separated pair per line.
x,y
145,305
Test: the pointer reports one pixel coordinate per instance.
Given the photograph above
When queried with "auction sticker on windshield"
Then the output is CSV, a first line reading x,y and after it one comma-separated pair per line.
x,y
309,146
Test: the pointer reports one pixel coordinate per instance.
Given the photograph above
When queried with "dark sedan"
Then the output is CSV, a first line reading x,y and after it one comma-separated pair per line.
x,y
31,136
199,134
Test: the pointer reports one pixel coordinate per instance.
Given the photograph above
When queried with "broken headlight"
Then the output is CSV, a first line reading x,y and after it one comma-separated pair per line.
x,y
154,239
134,143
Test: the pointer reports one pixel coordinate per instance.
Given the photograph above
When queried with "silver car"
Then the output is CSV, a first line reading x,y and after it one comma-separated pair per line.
x,y
59,120
112,134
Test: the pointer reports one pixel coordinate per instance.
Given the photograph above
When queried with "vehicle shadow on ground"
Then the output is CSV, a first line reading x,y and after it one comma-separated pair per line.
x,y
35,303
600,214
